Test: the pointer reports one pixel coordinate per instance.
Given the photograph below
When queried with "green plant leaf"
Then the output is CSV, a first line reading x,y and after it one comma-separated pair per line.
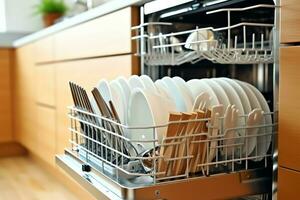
x,y
51,6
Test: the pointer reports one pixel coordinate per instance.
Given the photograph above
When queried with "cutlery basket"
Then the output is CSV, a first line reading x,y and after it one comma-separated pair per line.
x,y
114,166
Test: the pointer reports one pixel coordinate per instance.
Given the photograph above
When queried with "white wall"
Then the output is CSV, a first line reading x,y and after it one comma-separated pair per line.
x,y
20,16
2,16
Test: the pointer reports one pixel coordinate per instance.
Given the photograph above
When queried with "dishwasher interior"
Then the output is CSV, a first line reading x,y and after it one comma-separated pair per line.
x,y
236,39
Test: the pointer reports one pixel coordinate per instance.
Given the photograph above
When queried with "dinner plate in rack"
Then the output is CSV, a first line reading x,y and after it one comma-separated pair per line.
x,y
135,82
148,83
147,109
265,141
181,101
162,89
197,87
125,87
234,99
250,94
119,100
243,96
219,91
183,87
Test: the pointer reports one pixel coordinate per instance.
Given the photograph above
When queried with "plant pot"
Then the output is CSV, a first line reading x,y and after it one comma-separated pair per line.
x,y
50,18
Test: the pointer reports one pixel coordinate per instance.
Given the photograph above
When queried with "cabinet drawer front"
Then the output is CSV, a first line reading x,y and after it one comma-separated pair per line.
x,y
44,50
289,108
288,184
45,75
46,134
290,20
107,35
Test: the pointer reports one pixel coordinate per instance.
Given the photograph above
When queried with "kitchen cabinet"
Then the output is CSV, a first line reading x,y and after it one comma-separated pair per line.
x,y
24,98
6,56
289,108
107,35
289,21
45,84
288,184
44,50
45,131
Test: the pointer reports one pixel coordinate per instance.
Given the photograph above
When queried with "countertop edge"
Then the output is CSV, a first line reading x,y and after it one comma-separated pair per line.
x,y
99,11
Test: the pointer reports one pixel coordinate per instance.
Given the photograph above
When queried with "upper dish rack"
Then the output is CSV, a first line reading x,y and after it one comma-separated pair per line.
x,y
242,43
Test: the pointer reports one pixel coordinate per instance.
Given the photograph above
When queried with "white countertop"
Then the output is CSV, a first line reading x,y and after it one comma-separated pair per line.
x,y
101,10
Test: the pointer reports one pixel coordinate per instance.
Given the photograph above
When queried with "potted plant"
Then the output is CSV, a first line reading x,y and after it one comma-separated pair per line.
x,y
51,10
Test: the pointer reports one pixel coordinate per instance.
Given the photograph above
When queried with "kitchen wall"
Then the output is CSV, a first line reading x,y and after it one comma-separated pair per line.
x,y
18,16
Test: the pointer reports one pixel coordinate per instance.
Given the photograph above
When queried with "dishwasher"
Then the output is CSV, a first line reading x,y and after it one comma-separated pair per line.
x,y
191,39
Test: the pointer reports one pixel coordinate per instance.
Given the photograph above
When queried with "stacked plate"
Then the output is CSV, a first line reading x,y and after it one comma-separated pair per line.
x,y
142,103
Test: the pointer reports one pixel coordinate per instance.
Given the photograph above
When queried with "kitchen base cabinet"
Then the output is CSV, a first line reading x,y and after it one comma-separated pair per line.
x,y
289,108
46,134
24,98
6,56
288,184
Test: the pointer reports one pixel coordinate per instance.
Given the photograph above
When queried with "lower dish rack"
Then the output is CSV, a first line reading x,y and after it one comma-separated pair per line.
x,y
114,166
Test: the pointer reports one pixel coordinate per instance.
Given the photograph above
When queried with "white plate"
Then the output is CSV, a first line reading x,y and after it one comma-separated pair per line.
x,y
180,100
112,93
125,87
185,91
197,87
250,94
147,109
149,84
119,100
135,82
265,141
162,89
222,96
243,96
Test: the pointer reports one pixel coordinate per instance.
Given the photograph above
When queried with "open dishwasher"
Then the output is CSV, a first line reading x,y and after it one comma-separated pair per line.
x,y
237,39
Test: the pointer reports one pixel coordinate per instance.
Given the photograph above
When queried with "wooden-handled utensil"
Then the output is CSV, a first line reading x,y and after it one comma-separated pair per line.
x,y
165,149
196,149
182,151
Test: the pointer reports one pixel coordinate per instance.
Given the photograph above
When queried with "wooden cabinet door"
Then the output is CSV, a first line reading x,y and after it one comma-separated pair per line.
x,y
106,35
289,108
288,184
289,21
45,130
5,95
45,84
24,97
44,49
87,73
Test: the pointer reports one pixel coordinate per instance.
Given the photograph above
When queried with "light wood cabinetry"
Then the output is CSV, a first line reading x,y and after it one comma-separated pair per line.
x,y
24,98
288,184
45,84
44,50
107,35
46,134
5,95
290,20
87,76
289,108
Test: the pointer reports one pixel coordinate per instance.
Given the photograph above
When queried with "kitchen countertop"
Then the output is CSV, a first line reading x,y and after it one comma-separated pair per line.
x,y
101,10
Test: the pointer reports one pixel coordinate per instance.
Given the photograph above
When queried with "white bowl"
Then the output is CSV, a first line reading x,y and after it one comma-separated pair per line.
x,y
207,36
147,109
